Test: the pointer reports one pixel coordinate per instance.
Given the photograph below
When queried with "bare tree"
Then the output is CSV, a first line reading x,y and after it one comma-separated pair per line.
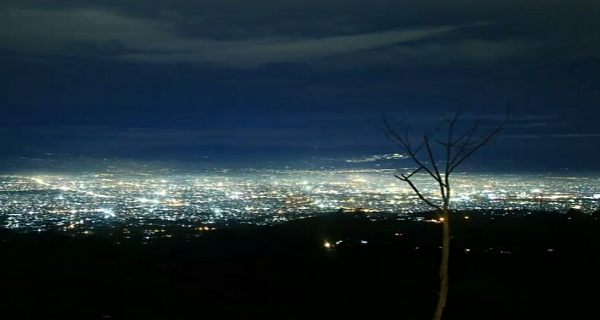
x,y
455,149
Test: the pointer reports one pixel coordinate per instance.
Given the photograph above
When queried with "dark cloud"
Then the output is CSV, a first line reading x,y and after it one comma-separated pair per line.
x,y
128,76
241,34
112,35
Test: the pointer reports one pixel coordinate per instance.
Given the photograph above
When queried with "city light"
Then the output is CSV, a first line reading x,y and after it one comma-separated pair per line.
x,y
265,197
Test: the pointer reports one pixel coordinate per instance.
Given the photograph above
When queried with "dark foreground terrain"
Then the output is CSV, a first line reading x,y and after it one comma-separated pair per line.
x,y
539,266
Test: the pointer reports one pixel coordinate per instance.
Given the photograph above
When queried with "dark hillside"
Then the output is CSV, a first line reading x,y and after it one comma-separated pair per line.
x,y
536,266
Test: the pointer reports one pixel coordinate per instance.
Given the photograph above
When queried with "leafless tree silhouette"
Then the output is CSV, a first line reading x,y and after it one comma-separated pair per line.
x,y
455,150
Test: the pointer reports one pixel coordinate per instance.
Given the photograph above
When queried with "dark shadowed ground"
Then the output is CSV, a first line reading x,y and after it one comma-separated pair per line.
x,y
536,266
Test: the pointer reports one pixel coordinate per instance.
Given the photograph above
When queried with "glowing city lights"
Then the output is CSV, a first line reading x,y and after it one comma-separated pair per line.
x,y
266,197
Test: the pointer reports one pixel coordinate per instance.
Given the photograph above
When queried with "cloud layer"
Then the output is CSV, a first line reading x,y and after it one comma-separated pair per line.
x,y
243,34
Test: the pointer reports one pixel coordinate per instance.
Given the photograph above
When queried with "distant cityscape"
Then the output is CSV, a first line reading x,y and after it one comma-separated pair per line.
x,y
78,203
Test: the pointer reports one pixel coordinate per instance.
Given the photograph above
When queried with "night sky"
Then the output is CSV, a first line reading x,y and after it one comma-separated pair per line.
x,y
294,79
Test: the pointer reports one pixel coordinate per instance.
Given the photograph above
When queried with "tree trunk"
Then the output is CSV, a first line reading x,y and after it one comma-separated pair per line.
x,y
443,295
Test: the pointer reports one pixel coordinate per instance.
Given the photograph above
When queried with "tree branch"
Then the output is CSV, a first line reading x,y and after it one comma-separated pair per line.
x,y
441,182
406,179
482,142
462,147
404,143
